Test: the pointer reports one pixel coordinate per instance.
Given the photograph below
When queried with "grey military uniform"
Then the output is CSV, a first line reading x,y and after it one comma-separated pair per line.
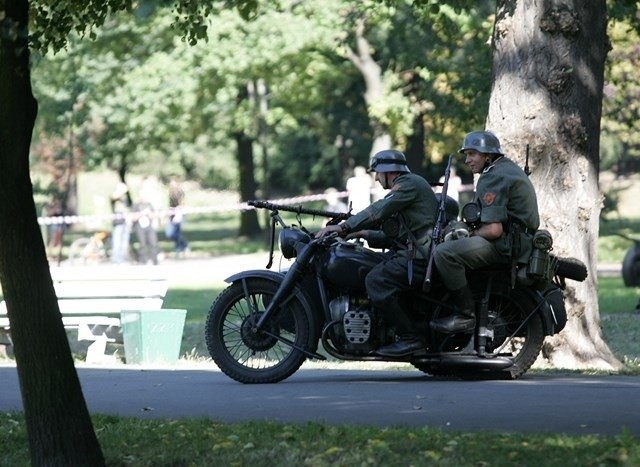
x,y
413,204
505,194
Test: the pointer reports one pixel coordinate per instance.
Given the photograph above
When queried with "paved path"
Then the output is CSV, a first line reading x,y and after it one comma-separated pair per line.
x,y
574,405
536,403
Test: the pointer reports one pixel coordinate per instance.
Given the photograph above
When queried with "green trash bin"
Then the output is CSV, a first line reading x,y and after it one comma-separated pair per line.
x,y
152,336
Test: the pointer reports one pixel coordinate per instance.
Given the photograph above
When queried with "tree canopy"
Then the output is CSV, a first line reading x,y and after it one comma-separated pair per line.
x,y
129,113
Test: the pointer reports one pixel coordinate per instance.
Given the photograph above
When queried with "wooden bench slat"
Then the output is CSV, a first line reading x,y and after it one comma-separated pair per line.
x,y
74,321
111,306
107,273
110,289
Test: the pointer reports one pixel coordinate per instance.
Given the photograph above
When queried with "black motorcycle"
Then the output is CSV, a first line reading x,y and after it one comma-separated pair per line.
x,y
265,324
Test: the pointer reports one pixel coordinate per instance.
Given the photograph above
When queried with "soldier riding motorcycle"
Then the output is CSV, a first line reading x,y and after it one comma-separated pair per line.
x,y
265,324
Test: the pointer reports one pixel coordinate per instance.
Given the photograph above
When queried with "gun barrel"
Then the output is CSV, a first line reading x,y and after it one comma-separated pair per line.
x,y
295,209
440,219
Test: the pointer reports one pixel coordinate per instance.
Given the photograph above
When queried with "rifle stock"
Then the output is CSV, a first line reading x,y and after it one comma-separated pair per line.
x,y
437,228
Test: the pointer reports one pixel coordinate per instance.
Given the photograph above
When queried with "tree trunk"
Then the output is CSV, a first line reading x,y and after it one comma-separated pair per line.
x,y
548,66
59,428
249,225
372,75
416,150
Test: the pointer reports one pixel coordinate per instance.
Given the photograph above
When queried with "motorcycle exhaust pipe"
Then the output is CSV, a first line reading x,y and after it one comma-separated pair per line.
x,y
470,362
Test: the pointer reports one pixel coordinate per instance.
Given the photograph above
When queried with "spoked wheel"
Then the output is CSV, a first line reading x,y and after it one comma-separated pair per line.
x,y
249,356
516,335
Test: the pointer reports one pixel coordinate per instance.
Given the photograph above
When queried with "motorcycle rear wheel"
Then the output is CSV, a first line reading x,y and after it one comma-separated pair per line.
x,y
506,315
262,357
522,345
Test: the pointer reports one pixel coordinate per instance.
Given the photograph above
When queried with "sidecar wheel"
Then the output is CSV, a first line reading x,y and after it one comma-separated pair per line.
x,y
256,357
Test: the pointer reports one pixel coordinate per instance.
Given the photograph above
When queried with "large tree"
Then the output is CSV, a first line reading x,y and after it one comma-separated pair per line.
x,y
59,427
548,77
58,422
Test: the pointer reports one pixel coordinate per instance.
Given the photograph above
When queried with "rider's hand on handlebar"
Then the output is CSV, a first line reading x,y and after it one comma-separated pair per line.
x,y
329,229
357,234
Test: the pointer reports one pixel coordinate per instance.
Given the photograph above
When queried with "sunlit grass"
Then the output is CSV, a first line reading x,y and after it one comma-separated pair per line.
x,y
202,442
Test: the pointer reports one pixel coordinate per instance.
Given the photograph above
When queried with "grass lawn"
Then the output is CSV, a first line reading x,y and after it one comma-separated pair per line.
x,y
133,442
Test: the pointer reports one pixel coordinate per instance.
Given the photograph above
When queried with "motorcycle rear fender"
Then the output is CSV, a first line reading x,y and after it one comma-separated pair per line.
x,y
543,309
277,278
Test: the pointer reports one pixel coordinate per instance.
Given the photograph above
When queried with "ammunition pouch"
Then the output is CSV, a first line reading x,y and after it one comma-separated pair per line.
x,y
538,270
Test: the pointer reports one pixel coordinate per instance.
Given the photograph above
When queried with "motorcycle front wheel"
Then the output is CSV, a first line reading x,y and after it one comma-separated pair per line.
x,y
266,356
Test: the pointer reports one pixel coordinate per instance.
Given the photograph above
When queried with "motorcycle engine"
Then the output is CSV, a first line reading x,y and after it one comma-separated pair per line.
x,y
354,322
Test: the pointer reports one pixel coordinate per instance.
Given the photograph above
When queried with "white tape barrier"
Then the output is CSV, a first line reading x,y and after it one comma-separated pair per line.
x,y
97,219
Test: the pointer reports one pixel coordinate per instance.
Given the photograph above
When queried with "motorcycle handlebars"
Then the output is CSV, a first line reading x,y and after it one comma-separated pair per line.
x,y
298,209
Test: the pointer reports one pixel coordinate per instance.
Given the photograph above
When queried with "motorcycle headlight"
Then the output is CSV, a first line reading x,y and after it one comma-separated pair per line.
x,y
288,239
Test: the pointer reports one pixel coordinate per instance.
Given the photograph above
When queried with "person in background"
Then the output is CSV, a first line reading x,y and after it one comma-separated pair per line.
x,y
121,230
145,223
55,229
359,189
454,186
333,203
173,229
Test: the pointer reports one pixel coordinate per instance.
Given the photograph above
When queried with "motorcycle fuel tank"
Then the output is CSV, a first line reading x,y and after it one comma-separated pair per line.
x,y
348,264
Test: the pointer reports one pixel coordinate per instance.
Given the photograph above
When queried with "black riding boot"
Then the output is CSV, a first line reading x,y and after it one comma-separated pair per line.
x,y
408,342
464,319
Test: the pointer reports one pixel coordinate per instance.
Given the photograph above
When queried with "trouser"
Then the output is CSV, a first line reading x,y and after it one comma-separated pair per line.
x,y
174,232
387,282
148,239
120,243
454,257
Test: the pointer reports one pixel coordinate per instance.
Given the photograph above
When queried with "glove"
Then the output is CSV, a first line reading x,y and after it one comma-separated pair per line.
x,y
456,230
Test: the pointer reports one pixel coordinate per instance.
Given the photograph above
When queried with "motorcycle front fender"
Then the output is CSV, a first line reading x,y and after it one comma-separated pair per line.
x,y
257,273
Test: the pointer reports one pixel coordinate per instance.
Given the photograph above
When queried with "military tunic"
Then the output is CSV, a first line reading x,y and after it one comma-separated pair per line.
x,y
412,199
505,194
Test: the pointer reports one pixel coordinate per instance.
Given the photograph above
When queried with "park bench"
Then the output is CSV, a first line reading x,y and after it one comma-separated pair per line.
x,y
91,301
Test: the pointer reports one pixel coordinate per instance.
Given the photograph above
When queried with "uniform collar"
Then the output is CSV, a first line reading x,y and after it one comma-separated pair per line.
x,y
487,169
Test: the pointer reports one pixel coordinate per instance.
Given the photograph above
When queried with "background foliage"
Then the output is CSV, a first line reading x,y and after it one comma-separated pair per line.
x,y
141,99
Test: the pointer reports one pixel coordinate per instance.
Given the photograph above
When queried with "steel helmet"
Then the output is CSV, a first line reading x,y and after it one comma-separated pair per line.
x,y
388,160
482,141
